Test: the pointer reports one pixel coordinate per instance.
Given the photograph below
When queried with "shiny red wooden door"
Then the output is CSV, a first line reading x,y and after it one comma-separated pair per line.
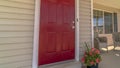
x,y
57,37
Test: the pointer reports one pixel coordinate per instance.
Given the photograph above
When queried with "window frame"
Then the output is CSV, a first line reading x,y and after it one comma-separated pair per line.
x,y
113,27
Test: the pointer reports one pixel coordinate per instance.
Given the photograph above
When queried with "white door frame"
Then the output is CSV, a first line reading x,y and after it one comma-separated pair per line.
x,y
92,24
36,32
77,31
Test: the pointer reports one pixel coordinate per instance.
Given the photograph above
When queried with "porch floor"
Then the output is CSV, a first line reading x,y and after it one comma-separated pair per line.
x,y
68,64
109,60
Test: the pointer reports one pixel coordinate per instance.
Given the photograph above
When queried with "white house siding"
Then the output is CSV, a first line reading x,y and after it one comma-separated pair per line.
x,y
85,23
16,33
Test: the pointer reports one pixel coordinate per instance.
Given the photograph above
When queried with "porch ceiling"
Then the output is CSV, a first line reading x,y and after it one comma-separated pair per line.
x,y
111,3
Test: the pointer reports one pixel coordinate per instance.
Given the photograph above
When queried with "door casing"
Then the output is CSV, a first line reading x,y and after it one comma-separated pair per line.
x,y
36,32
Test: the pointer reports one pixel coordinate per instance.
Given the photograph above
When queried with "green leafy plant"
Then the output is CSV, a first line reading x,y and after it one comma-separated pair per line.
x,y
91,56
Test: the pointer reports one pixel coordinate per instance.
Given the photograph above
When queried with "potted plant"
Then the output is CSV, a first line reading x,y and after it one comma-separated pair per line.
x,y
91,57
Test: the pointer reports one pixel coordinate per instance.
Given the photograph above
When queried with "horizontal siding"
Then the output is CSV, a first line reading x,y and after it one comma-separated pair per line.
x,y
27,67
15,46
16,10
20,64
15,59
16,33
16,22
17,52
15,28
85,23
9,40
24,1
4,15
17,4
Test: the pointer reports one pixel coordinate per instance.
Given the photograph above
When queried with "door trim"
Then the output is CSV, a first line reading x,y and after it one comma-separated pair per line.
x,y
37,29
36,34
92,25
77,31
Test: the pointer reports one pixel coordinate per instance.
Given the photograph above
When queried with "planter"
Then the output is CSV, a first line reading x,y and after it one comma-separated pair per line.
x,y
93,66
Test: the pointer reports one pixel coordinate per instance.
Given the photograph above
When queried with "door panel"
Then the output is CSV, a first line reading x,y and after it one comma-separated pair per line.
x,y
57,38
52,41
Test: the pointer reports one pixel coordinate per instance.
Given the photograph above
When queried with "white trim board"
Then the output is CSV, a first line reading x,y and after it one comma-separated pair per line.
x,y
37,28
36,34
77,31
92,25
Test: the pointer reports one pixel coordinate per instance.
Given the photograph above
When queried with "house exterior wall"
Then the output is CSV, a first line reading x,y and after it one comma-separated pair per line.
x,y
108,9
85,23
17,26
16,33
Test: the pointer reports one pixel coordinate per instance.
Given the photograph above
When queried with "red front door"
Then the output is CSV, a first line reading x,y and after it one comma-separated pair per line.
x,y
57,35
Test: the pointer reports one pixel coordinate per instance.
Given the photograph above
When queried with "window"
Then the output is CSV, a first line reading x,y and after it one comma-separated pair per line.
x,y
98,21
108,22
104,22
115,23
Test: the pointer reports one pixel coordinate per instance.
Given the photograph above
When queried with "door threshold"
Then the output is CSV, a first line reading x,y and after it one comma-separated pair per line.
x,y
57,63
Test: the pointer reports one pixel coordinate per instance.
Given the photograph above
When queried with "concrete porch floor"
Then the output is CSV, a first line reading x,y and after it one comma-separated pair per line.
x,y
66,64
109,60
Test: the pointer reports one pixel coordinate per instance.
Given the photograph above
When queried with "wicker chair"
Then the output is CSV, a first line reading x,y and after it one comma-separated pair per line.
x,y
116,39
100,42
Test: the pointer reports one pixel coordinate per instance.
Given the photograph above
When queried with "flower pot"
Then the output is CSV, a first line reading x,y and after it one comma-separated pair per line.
x,y
93,66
